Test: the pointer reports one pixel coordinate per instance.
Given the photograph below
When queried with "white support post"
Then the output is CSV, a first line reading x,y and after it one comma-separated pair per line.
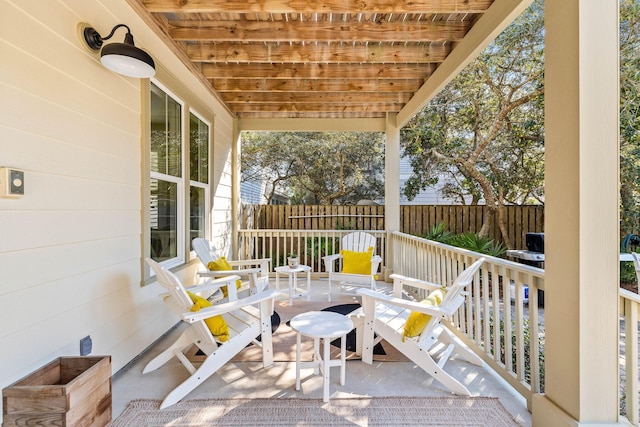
x,y
581,215
391,183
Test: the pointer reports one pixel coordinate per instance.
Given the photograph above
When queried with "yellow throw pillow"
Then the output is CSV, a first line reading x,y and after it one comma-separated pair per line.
x,y
357,262
416,322
221,264
216,324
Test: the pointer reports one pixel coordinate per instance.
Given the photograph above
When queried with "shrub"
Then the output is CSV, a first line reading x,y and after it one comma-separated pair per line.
x,y
439,233
627,272
470,241
483,245
322,245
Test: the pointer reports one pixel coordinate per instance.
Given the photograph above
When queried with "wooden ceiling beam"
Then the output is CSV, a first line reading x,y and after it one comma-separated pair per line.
x,y
288,85
356,124
304,31
318,107
315,97
318,53
314,6
318,71
309,116
335,59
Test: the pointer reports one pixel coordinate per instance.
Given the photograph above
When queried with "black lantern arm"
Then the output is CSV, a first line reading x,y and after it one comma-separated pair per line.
x,y
94,39
113,31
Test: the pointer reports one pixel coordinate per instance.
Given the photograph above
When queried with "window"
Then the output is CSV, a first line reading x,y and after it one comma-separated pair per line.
x,y
168,192
199,167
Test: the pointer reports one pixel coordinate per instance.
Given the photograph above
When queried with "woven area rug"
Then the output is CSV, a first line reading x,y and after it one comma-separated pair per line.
x,y
284,339
369,411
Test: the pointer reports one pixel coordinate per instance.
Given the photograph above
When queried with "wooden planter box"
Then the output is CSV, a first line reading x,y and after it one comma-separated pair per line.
x,y
69,391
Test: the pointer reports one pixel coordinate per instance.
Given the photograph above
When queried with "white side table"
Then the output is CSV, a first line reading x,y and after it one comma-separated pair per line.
x,y
327,326
294,290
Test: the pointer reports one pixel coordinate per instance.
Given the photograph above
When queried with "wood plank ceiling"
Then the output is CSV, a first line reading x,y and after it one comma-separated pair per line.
x,y
314,59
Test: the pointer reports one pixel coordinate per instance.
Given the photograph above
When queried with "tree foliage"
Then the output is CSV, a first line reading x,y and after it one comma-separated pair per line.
x,y
630,116
315,167
485,129
483,132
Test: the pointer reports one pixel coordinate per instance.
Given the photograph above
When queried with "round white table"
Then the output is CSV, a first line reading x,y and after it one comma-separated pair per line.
x,y
326,326
294,290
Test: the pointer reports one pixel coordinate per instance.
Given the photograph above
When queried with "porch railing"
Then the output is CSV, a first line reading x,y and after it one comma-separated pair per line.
x,y
309,245
629,310
496,322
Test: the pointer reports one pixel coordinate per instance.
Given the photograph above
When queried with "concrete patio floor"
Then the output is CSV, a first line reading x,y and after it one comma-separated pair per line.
x,y
250,379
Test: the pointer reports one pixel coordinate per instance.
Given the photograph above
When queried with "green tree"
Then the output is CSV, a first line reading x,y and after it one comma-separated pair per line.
x,y
485,129
267,158
630,116
315,167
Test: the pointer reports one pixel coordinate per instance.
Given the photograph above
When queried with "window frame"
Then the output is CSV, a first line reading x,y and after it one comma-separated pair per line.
x,y
183,183
206,186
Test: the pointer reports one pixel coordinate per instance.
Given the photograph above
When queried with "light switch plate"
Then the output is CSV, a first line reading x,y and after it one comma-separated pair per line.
x,y
11,182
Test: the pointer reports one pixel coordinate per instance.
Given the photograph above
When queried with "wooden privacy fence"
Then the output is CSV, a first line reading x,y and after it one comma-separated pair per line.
x,y
415,220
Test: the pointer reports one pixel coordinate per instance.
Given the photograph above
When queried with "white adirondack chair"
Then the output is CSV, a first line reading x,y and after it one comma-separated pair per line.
x,y
256,271
357,242
247,318
387,315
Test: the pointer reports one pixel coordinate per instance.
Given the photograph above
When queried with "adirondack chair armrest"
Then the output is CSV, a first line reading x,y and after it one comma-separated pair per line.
x,y
257,281
263,263
329,262
375,263
331,258
205,313
407,304
213,284
239,272
247,271
399,281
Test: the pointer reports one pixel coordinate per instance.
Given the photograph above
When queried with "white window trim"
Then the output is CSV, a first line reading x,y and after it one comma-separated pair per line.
x,y
183,222
181,207
207,186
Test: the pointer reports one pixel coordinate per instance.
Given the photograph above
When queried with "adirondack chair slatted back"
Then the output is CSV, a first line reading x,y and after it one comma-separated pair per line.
x,y
360,272
179,298
253,271
464,279
179,302
359,242
455,294
203,249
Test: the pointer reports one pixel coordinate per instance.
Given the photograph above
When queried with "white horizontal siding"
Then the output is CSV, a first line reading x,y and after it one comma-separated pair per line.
x,y
221,218
70,248
251,192
432,195
38,266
